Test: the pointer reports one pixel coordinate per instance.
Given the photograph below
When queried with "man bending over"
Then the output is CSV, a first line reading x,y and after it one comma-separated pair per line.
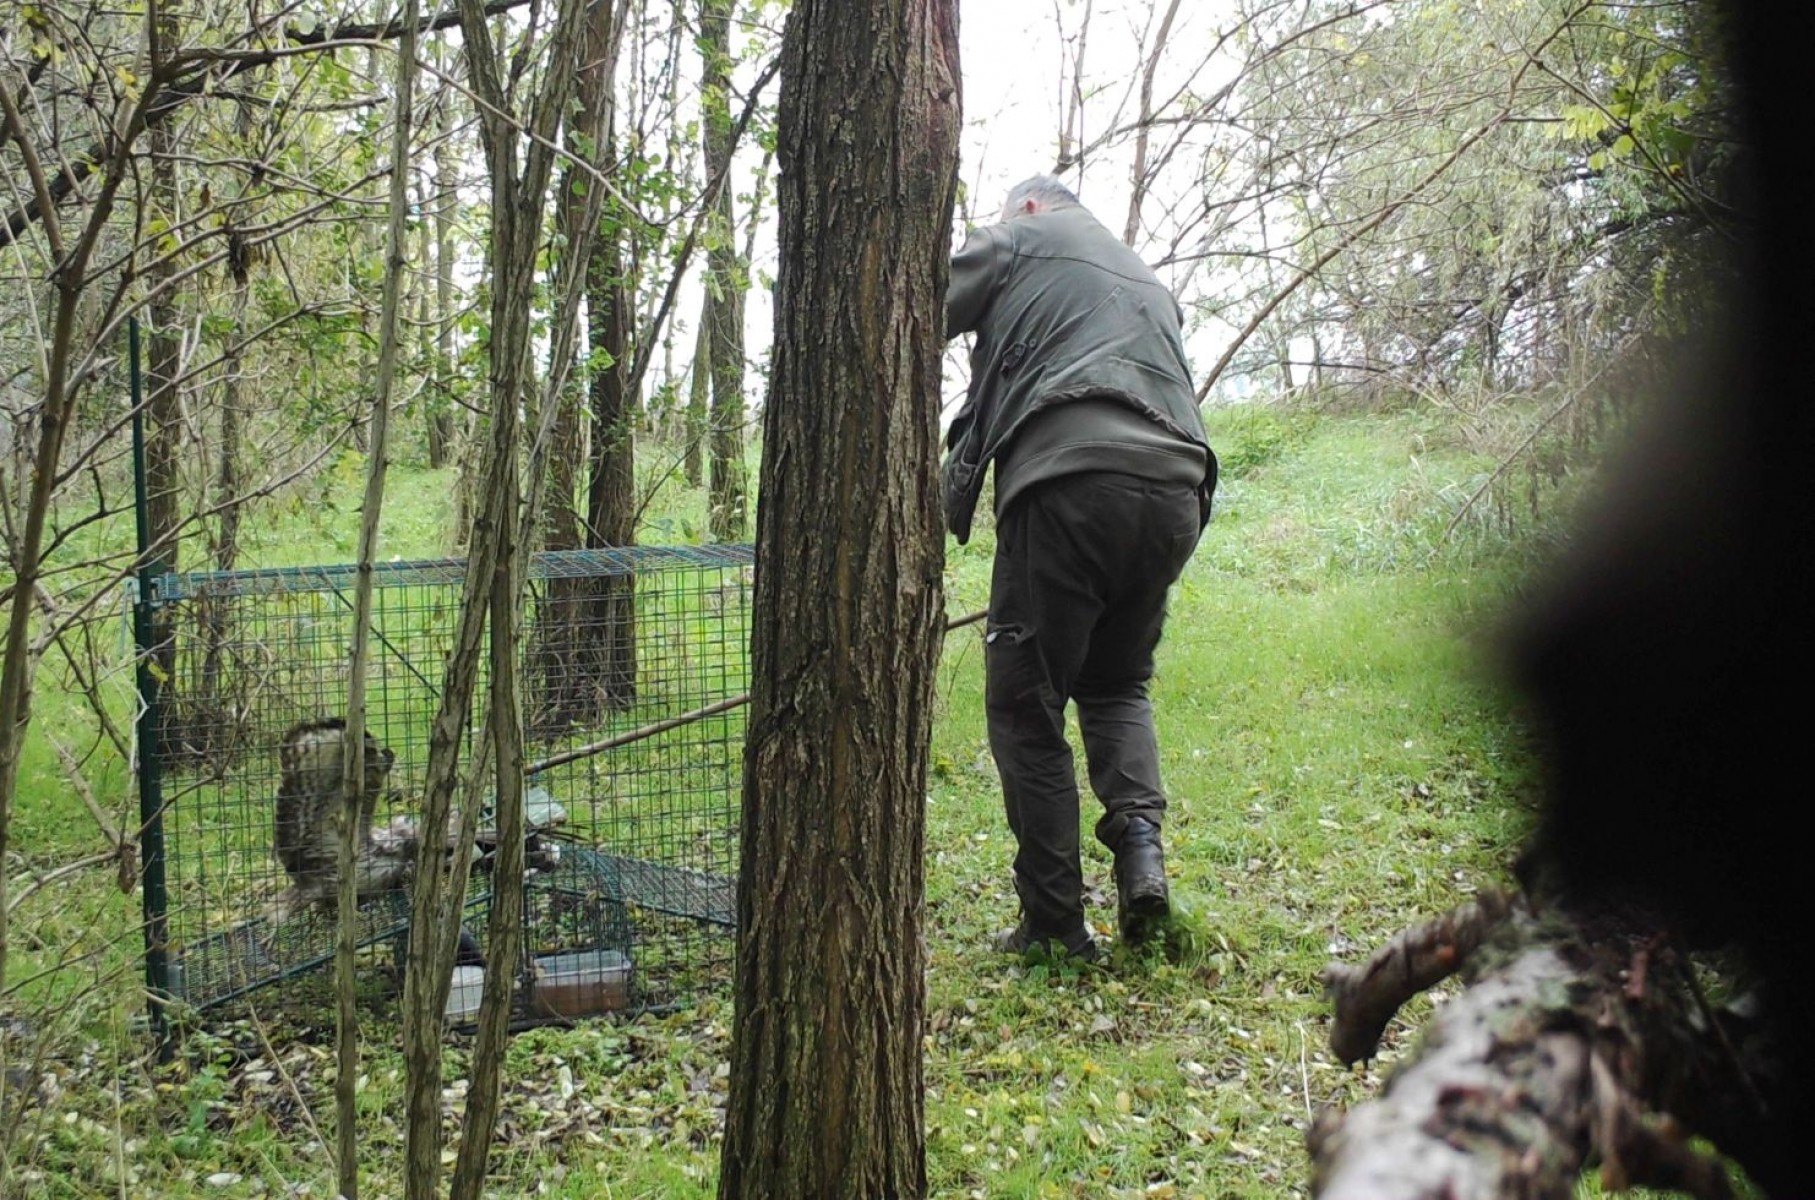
x,y
1080,394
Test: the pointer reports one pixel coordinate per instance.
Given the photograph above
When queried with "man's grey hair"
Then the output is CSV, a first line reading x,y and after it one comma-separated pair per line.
x,y
1044,189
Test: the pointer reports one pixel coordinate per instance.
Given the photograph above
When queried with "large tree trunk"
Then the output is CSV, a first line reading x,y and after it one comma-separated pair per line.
x,y
561,656
725,281
826,1062
583,660
611,506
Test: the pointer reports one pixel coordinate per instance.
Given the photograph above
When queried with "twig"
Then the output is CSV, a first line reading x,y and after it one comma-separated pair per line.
x,y
277,1064
686,718
1304,1069
1365,998
1634,1154
40,882
73,771
636,735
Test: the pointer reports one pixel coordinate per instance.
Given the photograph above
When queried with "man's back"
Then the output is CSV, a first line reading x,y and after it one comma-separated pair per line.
x,y
1064,312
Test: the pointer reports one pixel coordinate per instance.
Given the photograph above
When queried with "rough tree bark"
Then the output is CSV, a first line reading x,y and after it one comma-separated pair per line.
x,y
725,280
164,358
434,434
826,1061
611,500
164,427
583,659
444,428
211,729
1580,1035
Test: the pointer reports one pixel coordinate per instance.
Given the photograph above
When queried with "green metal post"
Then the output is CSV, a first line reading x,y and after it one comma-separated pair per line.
x,y
151,767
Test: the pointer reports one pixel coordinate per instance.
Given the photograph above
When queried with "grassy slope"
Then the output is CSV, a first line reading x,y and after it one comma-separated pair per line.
x,y
1334,773
1337,771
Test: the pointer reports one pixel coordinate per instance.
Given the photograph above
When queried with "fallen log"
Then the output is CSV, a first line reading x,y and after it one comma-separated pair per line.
x,y
1575,1040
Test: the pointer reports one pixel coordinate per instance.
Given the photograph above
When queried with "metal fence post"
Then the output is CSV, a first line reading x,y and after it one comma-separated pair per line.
x,y
150,765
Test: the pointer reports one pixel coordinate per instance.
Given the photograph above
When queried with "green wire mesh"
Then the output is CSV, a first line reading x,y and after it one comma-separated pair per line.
x,y
637,853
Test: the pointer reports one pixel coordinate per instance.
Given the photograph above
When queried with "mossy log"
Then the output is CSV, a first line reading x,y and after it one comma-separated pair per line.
x,y
1577,1039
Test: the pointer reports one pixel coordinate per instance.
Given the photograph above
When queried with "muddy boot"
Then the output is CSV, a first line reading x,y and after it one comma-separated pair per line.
x,y
1142,899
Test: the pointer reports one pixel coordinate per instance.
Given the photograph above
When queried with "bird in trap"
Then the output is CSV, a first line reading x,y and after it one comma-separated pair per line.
x,y
313,761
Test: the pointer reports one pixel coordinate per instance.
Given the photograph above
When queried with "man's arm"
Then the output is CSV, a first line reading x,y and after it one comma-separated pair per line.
x,y
977,271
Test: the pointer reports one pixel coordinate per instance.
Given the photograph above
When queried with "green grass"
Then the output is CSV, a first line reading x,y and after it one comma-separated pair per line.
x,y
1338,768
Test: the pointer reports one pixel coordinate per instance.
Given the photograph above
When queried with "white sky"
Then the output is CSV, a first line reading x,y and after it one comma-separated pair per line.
x,y
1015,69
1016,58
1018,62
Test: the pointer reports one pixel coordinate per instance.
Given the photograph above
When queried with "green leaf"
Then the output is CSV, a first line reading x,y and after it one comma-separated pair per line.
x,y
1584,122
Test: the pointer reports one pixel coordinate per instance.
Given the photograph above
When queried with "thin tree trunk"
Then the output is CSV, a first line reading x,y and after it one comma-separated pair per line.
x,y
559,669
164,426
1139,177
468,448
611,500
434,433
576,663
504,934
725,280
489,597
228,475
164,361
611,490
699,394
444,427
346,1109
207,727
826,1096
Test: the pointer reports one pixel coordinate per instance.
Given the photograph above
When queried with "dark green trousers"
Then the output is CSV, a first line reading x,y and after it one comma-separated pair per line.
x,y
1077,603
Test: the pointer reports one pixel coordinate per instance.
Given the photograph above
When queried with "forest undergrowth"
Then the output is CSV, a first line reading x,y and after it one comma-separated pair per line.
x,y
1340,765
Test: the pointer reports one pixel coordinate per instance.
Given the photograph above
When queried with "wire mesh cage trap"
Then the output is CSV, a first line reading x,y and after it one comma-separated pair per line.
x,y
633,660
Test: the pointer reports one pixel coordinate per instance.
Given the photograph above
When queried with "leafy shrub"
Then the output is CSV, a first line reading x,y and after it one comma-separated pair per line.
x,y
1247,437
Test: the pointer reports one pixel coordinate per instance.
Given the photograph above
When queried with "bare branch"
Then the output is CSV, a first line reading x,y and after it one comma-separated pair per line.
x,y
189,78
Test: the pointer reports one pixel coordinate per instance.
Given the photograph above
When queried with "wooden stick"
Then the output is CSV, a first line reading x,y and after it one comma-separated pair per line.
x,y
686,718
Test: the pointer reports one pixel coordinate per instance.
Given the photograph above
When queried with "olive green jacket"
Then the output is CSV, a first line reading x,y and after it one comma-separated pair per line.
x,y
1062,311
